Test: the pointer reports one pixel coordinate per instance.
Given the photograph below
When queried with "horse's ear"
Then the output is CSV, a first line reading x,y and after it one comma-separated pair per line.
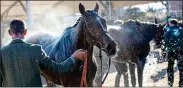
x,y
155,21
81,9
96,8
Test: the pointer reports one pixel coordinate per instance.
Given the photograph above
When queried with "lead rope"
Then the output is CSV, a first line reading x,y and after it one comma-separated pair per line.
x,y
107,72
100,56
83,78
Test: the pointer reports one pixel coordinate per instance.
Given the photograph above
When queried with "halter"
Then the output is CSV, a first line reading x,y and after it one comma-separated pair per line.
x,y
94,41
87,33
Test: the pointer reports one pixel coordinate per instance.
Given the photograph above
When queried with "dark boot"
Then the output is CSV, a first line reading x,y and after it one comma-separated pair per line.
x,y
180,66
170,72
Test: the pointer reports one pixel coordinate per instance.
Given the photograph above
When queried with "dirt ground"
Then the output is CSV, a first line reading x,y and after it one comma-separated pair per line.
x,y
154,75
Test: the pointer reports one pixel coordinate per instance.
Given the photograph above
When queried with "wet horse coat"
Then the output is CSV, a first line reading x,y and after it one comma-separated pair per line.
x,y
133,39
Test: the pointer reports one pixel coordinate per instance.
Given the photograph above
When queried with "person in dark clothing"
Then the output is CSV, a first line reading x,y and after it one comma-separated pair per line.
x,y
20,62
173,44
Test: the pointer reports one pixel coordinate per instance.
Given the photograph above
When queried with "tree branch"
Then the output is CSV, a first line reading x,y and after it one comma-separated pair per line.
x,y
24,8
104,5
164,3
11,6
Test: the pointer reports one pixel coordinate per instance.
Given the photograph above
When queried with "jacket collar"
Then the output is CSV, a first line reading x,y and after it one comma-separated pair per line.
x,y
174,27
17,41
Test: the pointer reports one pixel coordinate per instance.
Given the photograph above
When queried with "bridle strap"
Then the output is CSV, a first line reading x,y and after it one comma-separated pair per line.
x,y
94,40
84,73
107,71
100,56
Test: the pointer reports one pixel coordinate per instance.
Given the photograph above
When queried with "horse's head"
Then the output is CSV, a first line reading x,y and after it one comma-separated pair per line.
x,y
95,30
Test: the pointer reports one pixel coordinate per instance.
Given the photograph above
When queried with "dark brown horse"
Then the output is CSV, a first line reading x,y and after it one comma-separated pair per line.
x,y
133,39
89,30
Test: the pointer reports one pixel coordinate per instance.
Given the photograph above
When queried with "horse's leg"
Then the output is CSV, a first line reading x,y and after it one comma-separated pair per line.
x,y
118,76
90,83
124,68
49,83
132,74
121,68
140,68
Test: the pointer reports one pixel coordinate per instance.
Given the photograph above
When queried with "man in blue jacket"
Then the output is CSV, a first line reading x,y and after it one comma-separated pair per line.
x,y
20,62
173,42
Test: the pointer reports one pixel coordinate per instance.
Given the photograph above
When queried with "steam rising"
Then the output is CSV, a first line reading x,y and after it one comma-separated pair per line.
x,y
54,21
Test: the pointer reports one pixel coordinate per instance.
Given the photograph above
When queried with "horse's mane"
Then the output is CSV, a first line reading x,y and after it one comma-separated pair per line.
x,y
139,22
77,22
89,12
65,45
140,31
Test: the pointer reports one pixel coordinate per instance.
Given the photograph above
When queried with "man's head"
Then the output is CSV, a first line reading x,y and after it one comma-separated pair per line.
x,y
173,22
17,28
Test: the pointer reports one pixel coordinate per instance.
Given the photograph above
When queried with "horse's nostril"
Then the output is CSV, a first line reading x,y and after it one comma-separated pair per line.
x,y
109,47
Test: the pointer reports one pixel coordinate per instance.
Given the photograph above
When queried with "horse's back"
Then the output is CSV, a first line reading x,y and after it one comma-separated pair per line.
x,y
46,40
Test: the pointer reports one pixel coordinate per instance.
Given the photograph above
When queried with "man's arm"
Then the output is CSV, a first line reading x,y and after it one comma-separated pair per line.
x,y
164,43
47,64
167,36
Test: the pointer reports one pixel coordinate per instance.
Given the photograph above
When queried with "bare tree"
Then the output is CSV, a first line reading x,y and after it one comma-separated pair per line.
x,y
104,4
108,7
165,3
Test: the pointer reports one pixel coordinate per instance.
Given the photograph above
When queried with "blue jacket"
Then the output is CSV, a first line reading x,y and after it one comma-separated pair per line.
x,y
173,38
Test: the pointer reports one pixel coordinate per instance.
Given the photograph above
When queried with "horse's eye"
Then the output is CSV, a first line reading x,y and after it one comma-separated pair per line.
x,y
103,21
88,24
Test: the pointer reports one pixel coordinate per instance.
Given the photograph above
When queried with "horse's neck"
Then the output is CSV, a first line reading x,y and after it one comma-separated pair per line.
x,y
148,34
75,34
82,42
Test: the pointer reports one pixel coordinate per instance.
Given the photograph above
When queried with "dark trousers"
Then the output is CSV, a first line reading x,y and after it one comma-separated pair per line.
x,y
1,80
172,56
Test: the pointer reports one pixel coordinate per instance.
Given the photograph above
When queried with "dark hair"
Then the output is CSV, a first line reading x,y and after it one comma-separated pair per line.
x,y
17,26
174,21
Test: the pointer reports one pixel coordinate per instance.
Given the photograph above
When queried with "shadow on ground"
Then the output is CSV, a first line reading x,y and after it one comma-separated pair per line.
x,y
161,74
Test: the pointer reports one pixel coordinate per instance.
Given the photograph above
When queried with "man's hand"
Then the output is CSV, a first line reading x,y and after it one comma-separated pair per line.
x,y
79,54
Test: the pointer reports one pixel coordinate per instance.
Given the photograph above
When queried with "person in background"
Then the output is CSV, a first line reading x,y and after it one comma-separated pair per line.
x,y
173,45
